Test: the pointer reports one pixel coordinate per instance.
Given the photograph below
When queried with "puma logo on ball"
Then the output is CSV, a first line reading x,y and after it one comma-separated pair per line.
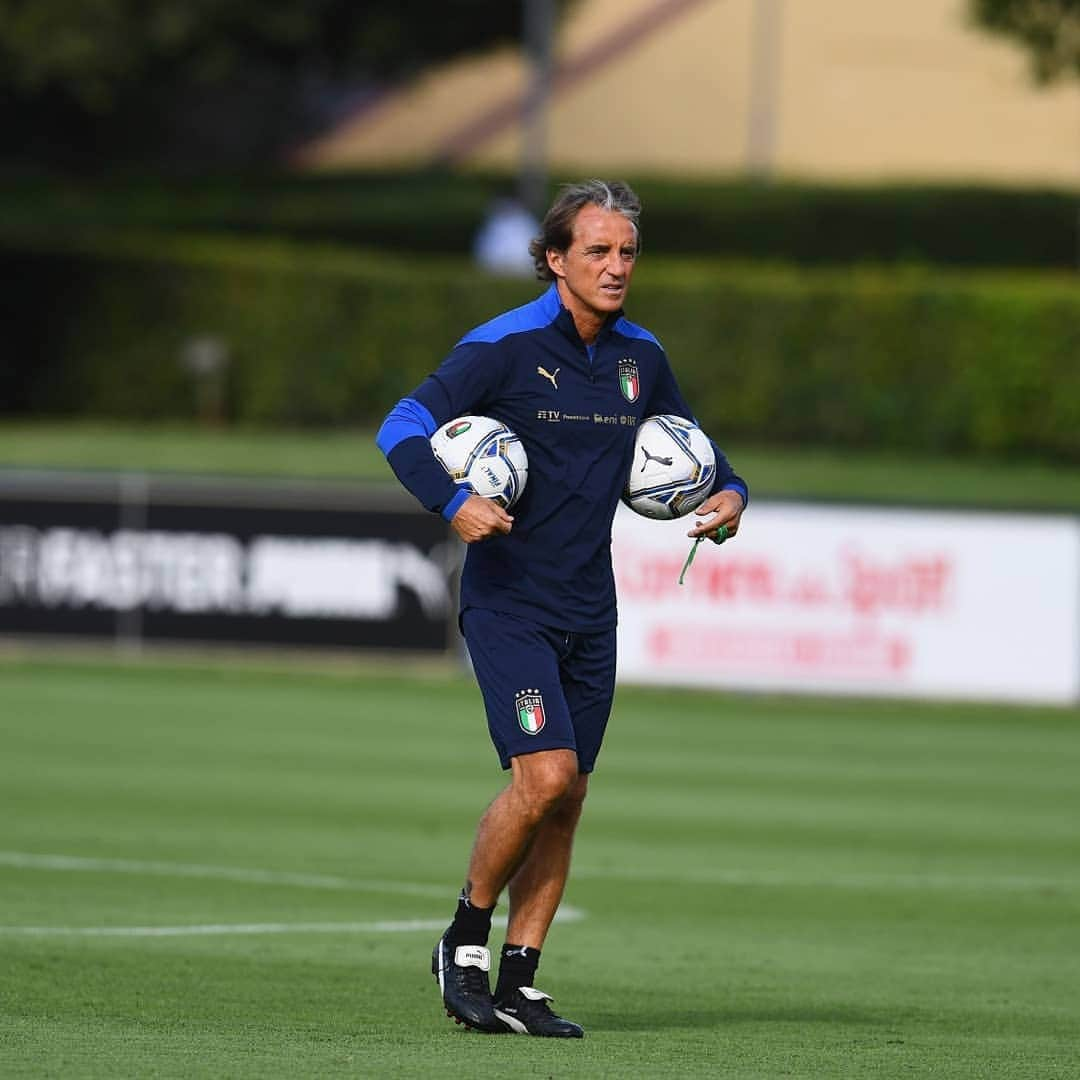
x,y
653,457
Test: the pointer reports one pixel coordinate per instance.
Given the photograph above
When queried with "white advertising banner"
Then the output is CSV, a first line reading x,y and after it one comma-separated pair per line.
x,y
824,599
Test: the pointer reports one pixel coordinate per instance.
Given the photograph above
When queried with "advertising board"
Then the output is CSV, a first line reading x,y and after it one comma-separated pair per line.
x,y
251,563
816,598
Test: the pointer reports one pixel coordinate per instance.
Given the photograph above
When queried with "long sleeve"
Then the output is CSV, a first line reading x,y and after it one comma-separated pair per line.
x,y
404,439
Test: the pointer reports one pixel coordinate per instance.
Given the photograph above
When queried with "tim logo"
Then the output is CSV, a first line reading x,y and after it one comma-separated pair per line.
x,y
629,383
530,710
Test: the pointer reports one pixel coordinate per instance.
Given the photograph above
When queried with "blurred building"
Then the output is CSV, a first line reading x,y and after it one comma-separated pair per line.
x,y
829,89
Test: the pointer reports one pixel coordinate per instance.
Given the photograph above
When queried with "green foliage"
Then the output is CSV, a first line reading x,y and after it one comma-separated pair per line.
x,y
921,360
98,53
439,211
1048,29
815,224
95,53
233,82
912,360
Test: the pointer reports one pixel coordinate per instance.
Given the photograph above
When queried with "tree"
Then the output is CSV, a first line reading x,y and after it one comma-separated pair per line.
x,y
1048,29
94,72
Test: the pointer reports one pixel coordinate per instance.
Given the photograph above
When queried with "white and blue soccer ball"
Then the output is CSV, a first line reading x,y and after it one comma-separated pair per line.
x,y
673,469
483,455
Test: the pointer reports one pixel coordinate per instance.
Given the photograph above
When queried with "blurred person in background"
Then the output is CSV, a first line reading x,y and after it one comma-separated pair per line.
x,y
502,241
572,376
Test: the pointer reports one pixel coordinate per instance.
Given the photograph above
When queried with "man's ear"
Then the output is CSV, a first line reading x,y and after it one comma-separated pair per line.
x,y
556,262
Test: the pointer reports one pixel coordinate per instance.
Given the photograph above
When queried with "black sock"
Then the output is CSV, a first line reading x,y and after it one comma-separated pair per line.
x,y
517,967
471,924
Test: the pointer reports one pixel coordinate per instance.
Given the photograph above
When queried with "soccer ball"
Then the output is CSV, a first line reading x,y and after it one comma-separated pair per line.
x,y
483,455
673,469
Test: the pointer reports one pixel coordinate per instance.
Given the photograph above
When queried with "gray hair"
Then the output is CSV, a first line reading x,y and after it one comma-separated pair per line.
x,y
557,228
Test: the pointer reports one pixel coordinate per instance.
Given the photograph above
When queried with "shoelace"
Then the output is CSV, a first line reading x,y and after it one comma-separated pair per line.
x,y
473,979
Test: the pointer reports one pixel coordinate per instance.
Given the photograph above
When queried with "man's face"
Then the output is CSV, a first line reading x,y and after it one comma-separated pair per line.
x,y
595,270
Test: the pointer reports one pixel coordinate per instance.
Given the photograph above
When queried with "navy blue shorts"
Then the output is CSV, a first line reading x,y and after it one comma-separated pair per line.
x,y
543,689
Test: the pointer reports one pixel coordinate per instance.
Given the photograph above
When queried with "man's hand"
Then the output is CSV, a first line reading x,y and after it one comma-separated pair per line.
x,y
726,508
478,518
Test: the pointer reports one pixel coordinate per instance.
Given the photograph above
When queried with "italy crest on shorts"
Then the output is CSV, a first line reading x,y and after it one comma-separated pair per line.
x,y
628,379
530,710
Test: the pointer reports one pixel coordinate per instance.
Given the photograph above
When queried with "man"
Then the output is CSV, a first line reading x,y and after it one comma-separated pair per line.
x,y
572,376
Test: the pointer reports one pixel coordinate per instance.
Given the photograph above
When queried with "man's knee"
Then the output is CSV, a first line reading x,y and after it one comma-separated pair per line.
x,y
568,809
548,781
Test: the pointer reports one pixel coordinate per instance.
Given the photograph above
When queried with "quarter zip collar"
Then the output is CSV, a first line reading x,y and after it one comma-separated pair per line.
x,y
564,321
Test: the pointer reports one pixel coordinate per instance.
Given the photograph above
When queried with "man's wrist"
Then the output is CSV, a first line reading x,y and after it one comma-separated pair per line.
x,y
456,502
740,489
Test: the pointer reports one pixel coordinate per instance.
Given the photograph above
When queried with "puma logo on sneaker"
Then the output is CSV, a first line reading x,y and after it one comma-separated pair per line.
x,y
472,956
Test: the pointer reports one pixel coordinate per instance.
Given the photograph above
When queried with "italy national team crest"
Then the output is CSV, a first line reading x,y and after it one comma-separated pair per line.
x,y
530,710
628,379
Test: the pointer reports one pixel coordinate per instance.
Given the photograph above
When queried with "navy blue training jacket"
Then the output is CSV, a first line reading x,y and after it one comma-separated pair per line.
x,y
554,567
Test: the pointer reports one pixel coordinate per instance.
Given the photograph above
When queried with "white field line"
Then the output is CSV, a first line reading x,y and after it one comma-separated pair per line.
x,y
25,861
209,929
718,875
385,926
75,863
690,876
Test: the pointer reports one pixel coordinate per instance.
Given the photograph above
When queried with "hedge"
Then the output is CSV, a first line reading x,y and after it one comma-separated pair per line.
x,y
915,359
438,212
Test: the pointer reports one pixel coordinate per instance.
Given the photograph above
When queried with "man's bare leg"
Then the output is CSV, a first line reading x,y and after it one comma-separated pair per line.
x,y
525,836
537,887
539,784
535,891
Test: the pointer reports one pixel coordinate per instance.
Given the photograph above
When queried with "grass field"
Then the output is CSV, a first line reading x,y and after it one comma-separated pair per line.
x,y
236,872
801,472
